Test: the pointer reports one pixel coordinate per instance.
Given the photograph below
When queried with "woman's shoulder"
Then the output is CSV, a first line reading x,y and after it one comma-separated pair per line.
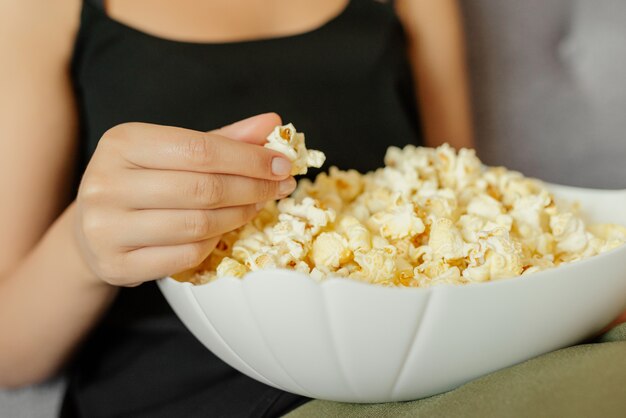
x,y
48,29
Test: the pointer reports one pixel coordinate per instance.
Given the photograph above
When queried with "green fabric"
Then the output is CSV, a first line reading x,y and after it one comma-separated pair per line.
x,y
587,380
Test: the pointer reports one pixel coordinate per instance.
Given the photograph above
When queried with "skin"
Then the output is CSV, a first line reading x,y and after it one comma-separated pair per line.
x,y
143,215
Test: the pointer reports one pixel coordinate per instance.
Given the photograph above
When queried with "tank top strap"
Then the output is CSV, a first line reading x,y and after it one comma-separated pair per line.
x,y
388,7
98,3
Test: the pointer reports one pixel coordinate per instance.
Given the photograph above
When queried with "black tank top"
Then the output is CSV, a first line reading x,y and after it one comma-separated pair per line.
x,y
346,84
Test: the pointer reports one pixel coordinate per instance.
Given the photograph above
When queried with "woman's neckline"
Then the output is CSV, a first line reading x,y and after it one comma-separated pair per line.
x,y
320,28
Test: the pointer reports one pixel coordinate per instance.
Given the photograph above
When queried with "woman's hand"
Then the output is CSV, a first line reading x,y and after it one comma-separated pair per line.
x,y
155,200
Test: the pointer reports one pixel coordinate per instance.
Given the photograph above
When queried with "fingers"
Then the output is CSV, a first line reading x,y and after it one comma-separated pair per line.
x,y
162,189
253,130
151,263
154,200
159,227
170,148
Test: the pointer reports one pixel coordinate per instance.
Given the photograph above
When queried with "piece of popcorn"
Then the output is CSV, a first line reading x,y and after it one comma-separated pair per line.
x,y
511,185
473,227
333,190
310,210
497,256
347,270
266,216
404,272
399,221
359,237
445,240
418,255
376,200
231,267
358,211
404,247
348,184
292,233
301,267
264,259
330,250
609,232
317,274
377,265
569,232
485,206
286,140
380,242
322,190
530,216
432,268
203,277
457,170
436,204
451,276
396,181
246,247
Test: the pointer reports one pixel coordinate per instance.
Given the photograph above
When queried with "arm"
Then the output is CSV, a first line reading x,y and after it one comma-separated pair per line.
x,y
46,301
153,200
437,56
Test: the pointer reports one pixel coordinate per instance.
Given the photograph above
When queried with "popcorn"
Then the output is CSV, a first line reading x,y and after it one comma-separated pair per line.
x,y
310,210
440,203
286,140
231,267
330,250
378,265
446,241
432,216
569,233
359,237
485,206
497,256
398,221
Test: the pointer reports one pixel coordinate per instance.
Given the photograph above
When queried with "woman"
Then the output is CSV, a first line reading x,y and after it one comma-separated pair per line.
x,y
119,98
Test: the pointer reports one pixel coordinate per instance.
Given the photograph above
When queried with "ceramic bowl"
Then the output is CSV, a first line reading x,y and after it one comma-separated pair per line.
x,y
344,340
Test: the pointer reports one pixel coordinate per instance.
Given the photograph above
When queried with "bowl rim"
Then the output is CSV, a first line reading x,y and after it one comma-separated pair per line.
x,y
329,281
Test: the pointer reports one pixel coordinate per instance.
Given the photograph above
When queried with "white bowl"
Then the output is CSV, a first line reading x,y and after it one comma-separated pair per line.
x,y
348,341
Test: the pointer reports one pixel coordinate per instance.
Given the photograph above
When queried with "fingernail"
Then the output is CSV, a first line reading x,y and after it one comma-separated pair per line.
x,y
260,206
286,186
281,166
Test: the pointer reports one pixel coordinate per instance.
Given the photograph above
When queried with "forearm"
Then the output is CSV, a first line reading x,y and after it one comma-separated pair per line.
x,y
437,54
47,304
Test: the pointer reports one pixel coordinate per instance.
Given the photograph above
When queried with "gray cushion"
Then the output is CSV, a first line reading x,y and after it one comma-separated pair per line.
x,y
41,401
549,87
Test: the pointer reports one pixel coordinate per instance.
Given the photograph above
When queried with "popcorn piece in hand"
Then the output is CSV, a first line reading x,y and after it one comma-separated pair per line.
x,y
286,140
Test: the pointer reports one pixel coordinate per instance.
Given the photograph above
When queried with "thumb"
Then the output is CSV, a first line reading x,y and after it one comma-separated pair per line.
x,y
253,130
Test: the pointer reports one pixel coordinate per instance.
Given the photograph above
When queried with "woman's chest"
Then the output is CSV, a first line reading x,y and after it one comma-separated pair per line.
x,y
224,20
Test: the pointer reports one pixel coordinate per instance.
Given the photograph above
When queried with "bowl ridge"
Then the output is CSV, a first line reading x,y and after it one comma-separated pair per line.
x,y
268,346
426,313
341,367
198,308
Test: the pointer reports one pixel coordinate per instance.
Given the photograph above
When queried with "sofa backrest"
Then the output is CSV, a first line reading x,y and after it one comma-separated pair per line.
x,y
549,87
